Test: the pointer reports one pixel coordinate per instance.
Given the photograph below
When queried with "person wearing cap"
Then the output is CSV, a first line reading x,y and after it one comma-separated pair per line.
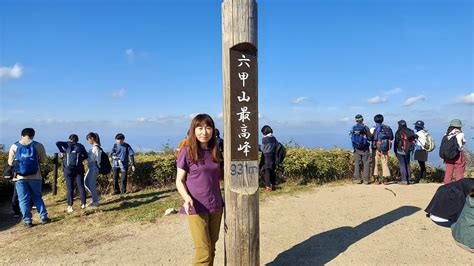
x,y
403,146
421,155
381,143
360,136
457,166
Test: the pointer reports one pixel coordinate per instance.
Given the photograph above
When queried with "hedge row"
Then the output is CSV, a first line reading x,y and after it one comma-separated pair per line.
x,y
302,165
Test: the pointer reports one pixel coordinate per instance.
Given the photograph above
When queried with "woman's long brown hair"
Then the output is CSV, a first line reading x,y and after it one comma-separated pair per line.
x,y
193,143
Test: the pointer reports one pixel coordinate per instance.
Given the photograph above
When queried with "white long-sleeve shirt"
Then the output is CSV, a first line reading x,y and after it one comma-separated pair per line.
x,y
94,155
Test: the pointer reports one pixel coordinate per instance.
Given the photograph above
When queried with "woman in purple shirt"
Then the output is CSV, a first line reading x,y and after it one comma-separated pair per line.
x,y
198,182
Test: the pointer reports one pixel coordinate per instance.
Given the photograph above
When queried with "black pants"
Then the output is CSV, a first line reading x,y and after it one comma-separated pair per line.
x,y
15,202
123,179
422,170
269,176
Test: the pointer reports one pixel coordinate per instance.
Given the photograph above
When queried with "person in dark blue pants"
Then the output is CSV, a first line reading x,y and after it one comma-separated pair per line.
x,y
403,147
74,154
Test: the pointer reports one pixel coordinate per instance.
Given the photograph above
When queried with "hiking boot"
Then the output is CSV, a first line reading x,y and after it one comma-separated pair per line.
x,y
376,182
93,205
357,181
366,182
385,181
403,183
69,209
45,220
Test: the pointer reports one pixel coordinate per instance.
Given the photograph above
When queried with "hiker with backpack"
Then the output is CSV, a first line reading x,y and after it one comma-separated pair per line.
x,y
198,182
121,152
273,154
403,147
360,136
74,154
424,144
96,162
25,156
452,151
382,140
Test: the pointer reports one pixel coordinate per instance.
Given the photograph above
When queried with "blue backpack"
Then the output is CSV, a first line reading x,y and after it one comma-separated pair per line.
x,y
359,137
26,159
382,138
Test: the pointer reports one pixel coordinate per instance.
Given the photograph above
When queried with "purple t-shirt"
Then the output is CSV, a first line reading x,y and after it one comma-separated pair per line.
x,y
202,182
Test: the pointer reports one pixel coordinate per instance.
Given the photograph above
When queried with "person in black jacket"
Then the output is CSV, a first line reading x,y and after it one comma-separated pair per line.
x,y
268,159
74,154
403,146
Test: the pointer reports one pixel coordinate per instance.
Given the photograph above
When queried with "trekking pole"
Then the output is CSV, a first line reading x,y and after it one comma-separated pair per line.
x,y
55,176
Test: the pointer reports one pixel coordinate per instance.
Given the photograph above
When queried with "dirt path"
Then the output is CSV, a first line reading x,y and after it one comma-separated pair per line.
x,y
330,224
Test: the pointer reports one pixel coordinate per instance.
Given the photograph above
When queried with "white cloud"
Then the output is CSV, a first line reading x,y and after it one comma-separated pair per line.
x,y
393,91
345,119
377,100
119,94
300,100
468,99
130,54
412,100
192,116
14,72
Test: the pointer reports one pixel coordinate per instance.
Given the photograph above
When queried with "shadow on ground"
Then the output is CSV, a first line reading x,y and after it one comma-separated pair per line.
x,y
323,248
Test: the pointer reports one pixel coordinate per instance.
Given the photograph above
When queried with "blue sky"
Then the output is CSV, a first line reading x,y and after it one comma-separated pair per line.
x,y
145,67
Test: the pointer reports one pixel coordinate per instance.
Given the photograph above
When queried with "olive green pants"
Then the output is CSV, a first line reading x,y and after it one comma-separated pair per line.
x,y
205,233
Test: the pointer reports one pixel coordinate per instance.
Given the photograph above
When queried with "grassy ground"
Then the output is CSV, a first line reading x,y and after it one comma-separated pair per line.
x,y
146,205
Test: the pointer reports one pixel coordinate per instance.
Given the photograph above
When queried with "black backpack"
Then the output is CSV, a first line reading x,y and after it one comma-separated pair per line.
x,y
280,153
75,154
449,149
105,167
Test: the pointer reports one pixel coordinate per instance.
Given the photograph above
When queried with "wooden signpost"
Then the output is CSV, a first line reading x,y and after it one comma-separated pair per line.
x,y
240,78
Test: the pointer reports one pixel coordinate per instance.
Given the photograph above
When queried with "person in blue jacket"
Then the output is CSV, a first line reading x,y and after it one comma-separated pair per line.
x,y
121,152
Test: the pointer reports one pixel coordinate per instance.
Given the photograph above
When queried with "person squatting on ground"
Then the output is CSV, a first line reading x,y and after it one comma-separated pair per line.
x,y
198,182
382,140
360,136
93,159
25,156
403,147
121,152
452,151
268,158
73,154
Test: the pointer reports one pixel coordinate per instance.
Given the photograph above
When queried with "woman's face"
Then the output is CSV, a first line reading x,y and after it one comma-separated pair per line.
x,y
203,133
90,140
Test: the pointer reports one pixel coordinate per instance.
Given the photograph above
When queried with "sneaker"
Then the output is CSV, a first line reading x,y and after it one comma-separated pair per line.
x,y
93,205
366,182
376,182
28,225
45,221
357,181
69,209
267,189
83,206
403,183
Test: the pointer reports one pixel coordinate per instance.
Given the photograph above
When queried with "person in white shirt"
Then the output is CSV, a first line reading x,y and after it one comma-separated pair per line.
x,y
90,179
457,166
421,155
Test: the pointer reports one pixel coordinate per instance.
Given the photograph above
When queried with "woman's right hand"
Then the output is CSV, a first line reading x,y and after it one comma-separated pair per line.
x,y
188,205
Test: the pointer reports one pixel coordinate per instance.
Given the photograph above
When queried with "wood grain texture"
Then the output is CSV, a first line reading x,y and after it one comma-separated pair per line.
x,y
242,241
